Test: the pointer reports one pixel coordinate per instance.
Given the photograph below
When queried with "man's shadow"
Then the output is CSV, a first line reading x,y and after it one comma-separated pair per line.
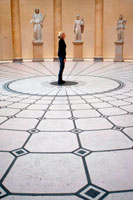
x,y
67,83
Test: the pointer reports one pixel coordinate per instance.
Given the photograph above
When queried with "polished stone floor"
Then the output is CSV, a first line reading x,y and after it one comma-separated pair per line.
x,y
68,142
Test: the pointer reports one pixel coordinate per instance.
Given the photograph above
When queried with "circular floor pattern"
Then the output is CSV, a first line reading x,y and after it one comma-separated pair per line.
x,y
47,86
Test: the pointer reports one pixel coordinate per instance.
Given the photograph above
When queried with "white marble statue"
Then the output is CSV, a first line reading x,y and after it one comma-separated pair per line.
x,y
37,21
120,28
78,28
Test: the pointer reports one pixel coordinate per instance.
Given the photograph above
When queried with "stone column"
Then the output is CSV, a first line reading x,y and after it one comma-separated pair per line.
x,y
98,54
57,24
16,32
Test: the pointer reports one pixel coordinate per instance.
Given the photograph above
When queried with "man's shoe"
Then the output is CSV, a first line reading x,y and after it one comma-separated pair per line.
x,y
61,82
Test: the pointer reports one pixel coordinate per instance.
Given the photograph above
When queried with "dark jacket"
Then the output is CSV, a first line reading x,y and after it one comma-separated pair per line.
x,y
62,49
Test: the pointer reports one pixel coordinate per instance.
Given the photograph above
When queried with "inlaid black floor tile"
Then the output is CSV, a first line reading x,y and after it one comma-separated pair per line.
x,y
119,128
2,192
20,152
92,193
82,152
33,131
73,118
76,131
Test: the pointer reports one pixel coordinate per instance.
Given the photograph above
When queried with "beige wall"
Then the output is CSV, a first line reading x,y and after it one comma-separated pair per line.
x,y
112,10
5,30
70,8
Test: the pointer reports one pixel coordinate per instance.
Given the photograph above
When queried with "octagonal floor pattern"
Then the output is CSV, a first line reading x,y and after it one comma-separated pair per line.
x,y
68,142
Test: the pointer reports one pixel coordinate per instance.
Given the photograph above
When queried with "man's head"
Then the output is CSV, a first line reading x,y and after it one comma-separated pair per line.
x,y
61,35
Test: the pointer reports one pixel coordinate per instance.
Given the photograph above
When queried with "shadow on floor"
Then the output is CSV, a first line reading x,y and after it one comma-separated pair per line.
x,y
67,83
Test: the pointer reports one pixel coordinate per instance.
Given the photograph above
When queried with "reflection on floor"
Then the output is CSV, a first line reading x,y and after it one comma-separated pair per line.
x,y
68,142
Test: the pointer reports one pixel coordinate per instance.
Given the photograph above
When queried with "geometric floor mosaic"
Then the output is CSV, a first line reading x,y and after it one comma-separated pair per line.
x,y
69,142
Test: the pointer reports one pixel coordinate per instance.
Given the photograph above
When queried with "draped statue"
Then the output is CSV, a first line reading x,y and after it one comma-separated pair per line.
x,y
120,28
37,21
78,28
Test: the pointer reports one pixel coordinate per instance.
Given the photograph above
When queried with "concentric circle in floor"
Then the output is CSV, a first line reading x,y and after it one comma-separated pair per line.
x,y
47,85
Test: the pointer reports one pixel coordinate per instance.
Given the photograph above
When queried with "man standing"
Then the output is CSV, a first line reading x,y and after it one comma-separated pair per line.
x,y
62,56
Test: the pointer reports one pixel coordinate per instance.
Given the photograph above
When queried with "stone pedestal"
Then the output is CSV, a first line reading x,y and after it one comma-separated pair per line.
x,y
98,59
18,60
119,51
78,50
37,51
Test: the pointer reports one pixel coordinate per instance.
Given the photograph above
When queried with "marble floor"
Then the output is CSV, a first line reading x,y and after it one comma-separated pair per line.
x,y
68,142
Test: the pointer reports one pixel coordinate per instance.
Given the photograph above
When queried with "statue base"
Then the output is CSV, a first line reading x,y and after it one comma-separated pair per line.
x,y
56,59
17,60
98,59
119,51
78,51
37,51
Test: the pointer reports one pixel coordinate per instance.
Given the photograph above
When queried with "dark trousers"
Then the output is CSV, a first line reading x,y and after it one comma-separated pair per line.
x,y
62,65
